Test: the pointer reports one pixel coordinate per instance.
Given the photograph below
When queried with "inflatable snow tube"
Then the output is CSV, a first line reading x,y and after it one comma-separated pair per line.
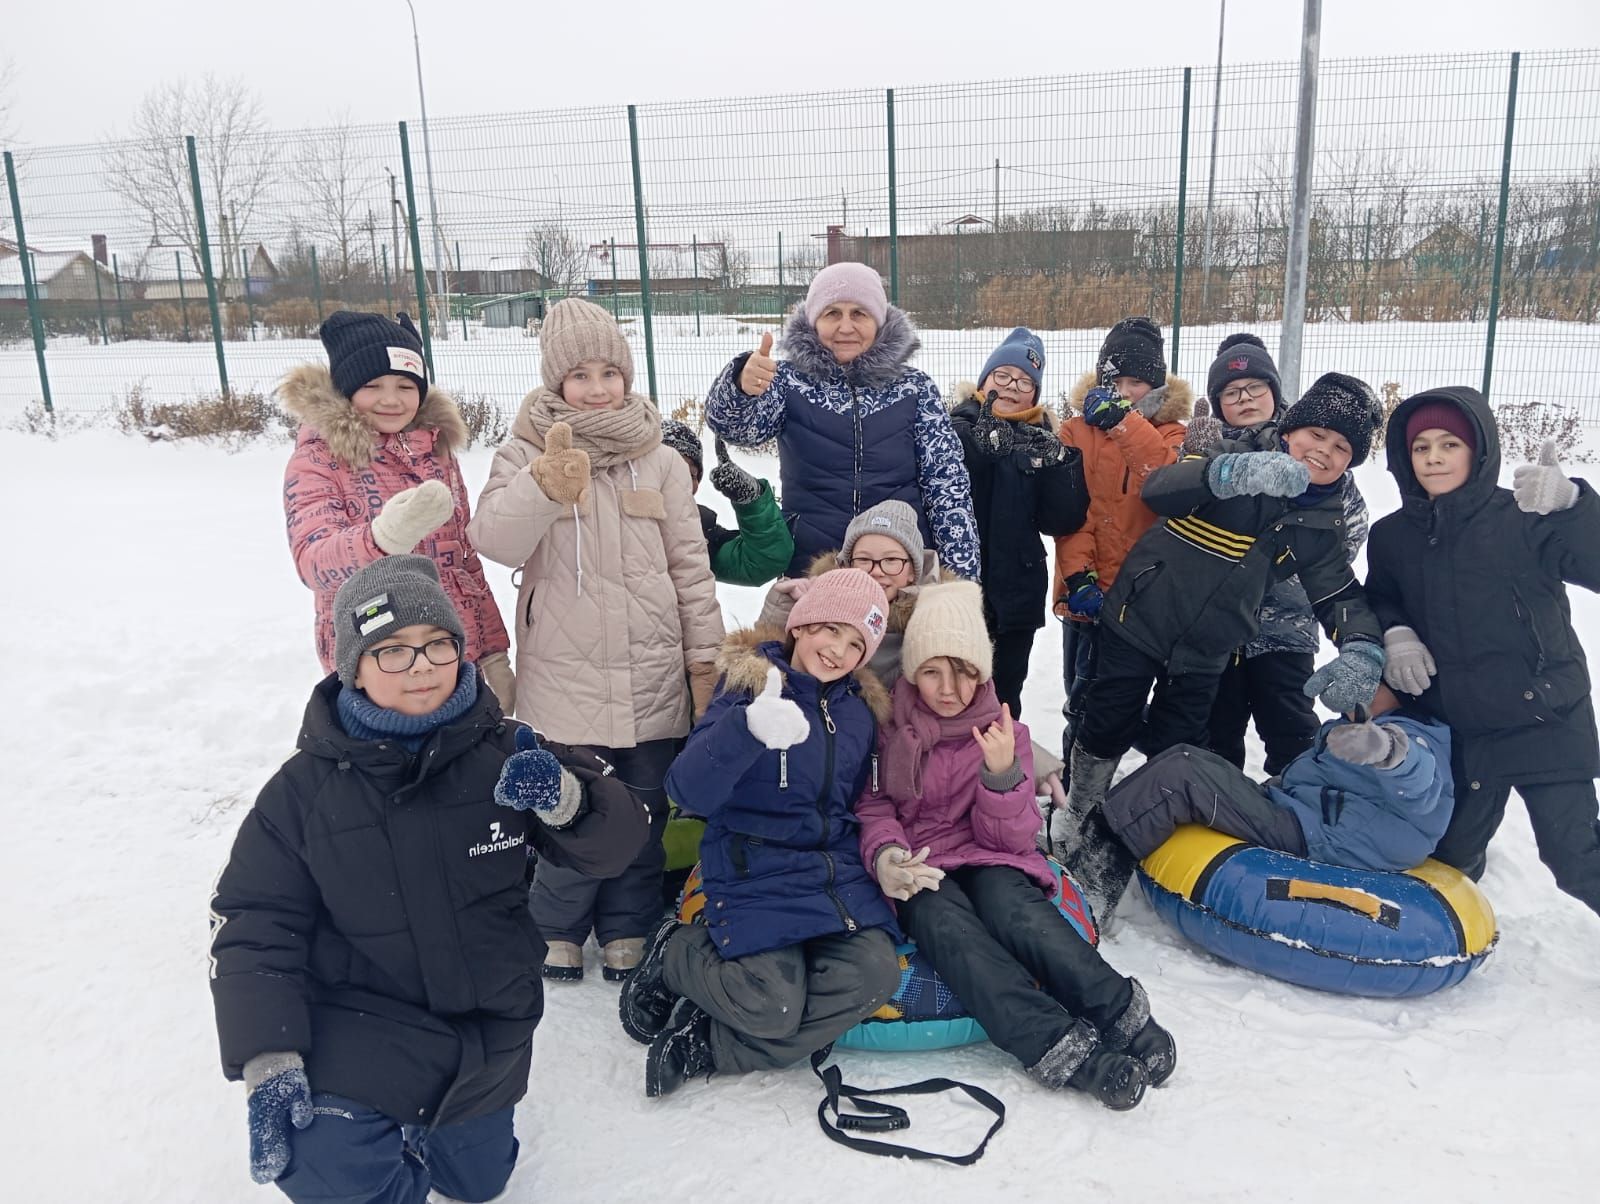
x,y
923,1013
1354,932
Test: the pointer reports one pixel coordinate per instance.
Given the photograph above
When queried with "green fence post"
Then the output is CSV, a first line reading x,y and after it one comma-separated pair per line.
x,y
1500,225
316,284
183,297
614,281
388,291
459,273
894,215
544,281
694,247
644,249
416,251
1366,262
122,308
780,272
100,304
29,285
244,283
205,266
1183,201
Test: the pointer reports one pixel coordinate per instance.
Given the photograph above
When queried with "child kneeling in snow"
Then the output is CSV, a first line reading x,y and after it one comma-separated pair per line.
x,y
798,943
956,784
374,968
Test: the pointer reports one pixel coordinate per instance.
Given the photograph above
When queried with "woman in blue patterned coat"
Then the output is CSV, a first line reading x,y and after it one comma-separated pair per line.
x,y
855,423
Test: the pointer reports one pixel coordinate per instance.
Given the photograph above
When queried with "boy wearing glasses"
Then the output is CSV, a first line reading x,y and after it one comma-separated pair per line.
x,y
1025,483
374,966
1263,679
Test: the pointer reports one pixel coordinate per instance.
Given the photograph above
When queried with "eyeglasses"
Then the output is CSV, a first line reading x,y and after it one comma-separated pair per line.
x,y
891,565
1002,379
1234,394
397,658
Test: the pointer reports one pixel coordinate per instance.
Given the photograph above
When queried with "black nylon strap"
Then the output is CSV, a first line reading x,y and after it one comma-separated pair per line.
x,y
874,1116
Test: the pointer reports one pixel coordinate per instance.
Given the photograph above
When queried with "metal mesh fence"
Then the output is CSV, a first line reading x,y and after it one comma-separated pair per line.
x,y
1052,203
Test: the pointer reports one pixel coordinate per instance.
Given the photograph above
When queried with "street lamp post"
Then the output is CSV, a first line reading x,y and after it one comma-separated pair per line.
x,y
427,163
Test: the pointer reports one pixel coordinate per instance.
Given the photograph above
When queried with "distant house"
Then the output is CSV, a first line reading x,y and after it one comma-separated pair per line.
x,y
674,268
261,274
514,311
58,275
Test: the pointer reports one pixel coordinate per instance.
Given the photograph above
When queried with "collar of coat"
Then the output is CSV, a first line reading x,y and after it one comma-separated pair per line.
x,y
875,368
307,393
1176,404
744,666
966,392
905,601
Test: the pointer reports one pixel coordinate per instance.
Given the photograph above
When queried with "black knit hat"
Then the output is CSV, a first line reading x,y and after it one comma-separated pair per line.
x,y
363,347
1339,403
1133,347
680,437
1242,357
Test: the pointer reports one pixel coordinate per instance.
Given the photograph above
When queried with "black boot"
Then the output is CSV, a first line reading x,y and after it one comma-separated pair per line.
x,y
646,1001
1115,1079
1139,1036
679,1053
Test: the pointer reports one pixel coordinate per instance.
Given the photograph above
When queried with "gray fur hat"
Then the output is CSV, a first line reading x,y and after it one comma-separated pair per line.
x,y
893,518
390,593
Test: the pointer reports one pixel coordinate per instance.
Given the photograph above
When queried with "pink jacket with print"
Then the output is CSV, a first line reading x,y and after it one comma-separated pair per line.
x,y
337,481
960,819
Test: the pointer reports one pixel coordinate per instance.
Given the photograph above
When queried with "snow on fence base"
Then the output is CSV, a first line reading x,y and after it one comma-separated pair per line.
x,y
1354,932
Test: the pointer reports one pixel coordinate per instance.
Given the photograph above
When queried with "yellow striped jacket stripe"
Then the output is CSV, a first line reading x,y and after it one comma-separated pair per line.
x,y
1211,538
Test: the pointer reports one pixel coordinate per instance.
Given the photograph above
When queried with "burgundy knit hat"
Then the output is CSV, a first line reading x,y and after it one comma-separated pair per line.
x,y
1444,416
846,596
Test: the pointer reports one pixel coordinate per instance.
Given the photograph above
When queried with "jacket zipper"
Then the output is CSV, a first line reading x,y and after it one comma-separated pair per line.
x,y
855,402
822,812
1525,614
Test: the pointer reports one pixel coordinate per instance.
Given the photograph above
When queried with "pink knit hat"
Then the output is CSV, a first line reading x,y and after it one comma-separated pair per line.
x,y
846,596
847,282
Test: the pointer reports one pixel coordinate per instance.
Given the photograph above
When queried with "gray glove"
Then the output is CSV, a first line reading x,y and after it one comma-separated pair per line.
x,y
1409,665
1542,488
1350,680
411,514
1273,474
731,481
1382,746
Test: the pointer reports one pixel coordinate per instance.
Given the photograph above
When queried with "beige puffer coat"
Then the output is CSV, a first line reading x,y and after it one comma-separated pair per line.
x,y
616,598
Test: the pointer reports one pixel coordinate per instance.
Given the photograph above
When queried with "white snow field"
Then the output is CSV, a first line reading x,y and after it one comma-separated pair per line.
x,y
160,657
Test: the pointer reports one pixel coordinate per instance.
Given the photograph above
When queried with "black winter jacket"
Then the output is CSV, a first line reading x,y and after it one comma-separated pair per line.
x,y
1482,584
1191,589
373,915
1015,503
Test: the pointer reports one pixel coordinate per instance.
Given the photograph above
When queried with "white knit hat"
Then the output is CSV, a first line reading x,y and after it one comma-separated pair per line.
x,y
948,621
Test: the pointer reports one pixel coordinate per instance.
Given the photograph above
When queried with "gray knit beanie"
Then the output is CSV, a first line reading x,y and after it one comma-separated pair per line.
x,y
893,518
390,593
576,330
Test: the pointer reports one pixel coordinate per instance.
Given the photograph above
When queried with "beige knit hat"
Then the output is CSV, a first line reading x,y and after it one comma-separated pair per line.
x,y
948,621
576,330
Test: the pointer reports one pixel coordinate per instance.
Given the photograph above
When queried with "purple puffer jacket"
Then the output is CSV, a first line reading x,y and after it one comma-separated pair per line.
x,y
960,819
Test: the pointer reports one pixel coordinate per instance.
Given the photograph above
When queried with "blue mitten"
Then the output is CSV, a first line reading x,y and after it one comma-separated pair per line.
x,y
1350,680
279,1097
1273,474
533,780
1103,408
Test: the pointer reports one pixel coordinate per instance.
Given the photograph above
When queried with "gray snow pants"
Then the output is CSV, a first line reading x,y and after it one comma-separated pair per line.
x,y
772,1009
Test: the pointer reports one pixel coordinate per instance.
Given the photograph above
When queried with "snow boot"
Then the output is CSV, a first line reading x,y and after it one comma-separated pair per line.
x,y
620,956
679,1053
1081,1060
563,961
646,1002
1136,1034
1082,841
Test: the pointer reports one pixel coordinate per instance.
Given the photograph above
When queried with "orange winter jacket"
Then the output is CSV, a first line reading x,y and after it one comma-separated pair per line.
x,y
1115,465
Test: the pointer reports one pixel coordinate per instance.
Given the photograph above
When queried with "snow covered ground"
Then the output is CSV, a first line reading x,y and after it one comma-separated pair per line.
x,y
161,660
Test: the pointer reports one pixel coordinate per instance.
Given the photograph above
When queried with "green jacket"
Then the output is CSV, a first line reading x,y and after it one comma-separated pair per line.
x,y
758,551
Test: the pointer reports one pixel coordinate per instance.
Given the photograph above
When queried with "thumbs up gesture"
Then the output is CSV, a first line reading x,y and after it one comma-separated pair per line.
x,y
1542,488
776,721
731,481
759,369
562,471
992,436
1203,432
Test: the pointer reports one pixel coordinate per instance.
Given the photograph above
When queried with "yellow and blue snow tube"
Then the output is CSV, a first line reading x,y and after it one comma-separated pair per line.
x,y
1355,932
923,1013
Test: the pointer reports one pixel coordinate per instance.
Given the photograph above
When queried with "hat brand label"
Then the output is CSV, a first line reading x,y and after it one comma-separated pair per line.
x,y
1238,365
874,621
879,520
373,614
403,359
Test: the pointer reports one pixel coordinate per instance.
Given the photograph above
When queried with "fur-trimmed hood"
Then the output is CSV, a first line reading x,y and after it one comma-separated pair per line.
x,y
307,393
966,391
875,368
1176,404
744,666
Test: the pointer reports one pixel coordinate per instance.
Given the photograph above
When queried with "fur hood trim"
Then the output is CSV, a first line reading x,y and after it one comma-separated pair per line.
x,y
744,667
1177,406
307,393
967,391
879,366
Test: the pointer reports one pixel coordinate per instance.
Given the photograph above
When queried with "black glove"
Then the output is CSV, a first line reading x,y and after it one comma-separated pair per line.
x,y
1040,445
994,436
731,481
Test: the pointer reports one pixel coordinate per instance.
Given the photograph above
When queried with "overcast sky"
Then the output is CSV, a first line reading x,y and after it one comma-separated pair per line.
x,y
80,67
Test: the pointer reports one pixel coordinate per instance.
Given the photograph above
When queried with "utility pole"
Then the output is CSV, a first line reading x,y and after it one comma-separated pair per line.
x,y
997,195
1211,173
394,220
427,162
1299,249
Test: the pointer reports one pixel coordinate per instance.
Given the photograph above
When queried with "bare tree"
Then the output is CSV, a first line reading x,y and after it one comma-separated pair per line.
x,y
150,169
729,263
336,179
8,88
558,255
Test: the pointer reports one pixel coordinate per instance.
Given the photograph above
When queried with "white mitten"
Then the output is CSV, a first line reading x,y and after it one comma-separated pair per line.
x,y
1542,488
901,874
411,514
776,721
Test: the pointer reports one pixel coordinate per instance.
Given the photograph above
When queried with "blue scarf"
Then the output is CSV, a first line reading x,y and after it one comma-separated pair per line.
x,y
366,720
